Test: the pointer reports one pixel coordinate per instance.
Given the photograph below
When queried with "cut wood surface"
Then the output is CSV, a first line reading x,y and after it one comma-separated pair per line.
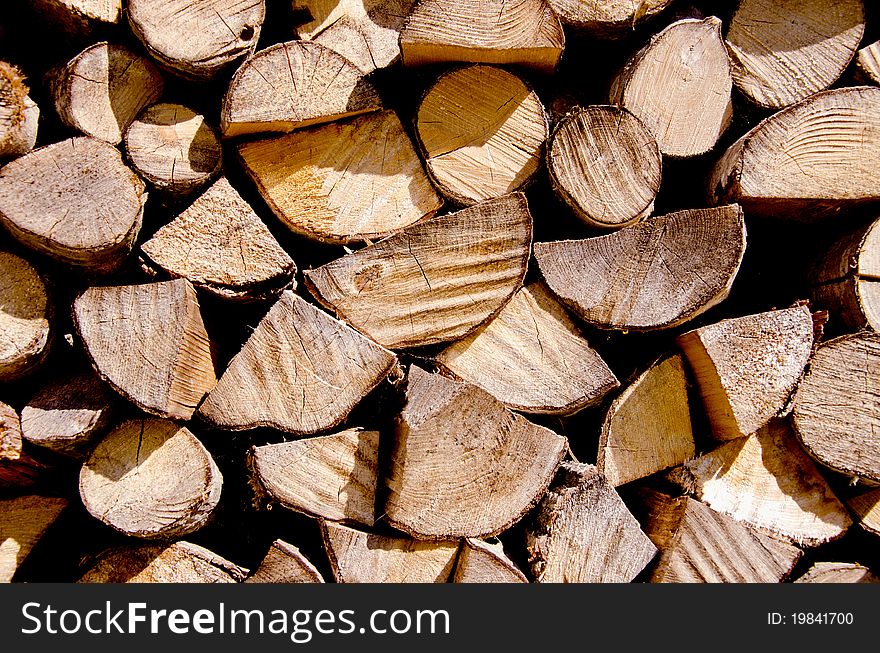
x,y
482,131
838,572
359,557
435,281
148,341
868,63
19,115
25,318
656,274
502,32
23,521
335,184
866,508
482,562
75,201
180,562
648,426
605,164
679,85
18,469
607,18
784,51
332,477
80,17
10,433
748,367
284,563
463,465
301,371
293,85
218,243
151,478
532,357
582,532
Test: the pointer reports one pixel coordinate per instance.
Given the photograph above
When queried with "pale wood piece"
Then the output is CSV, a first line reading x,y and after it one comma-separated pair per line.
x,y
219,244
483,562
10,433
656,274
748,367
501,32
301,372
435,281
19,115
293,85
180,562
648,426
358,557
607,18
75,201
838,572
332,477
80,17
149,343
17,469
836,412
284,563
868,63
23,521
463,465
532,357
782,51
343,182
482,132
197,40
866,508
25,318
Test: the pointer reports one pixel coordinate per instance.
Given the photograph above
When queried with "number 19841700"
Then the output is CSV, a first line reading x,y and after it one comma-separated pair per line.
x,y
810,618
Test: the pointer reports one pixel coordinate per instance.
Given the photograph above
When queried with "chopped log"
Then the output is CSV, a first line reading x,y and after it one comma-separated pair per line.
x,y
748,367
656,274
502,32
483,562
680,85
75,201
333,183
180,562
149,343
838,572
151,478
868,63
19,115
300,372
331,477
23,521
836,412
102,90
219,244
17,468
285,564
866,508
648,426
608,19
531,357
79,17
358,557
435,281
784,51
463,465
25,318
293,85
482,131
605,165
197,40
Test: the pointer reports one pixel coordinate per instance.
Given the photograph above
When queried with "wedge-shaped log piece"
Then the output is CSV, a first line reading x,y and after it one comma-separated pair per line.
x,y
335,182
868,63
866,507
522,32
483,562
180,562
838,572
434,282
653,275
358,557
23,521
836,411
332,477
532,357
149,342
25,318
17,468
285,564
748,367
648,426
221,245
300,372
75,201
606,18
19,115
463,465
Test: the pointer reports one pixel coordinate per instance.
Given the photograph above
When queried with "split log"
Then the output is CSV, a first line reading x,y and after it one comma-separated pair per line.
x,y
102,90
25,318
285,564
748,367
838,572
435,281
531,357
180,562
866,508
836,412
75,201
607,18
23,521
300,372
868,63
79,17
219,244
149,343
482,562
482,132
518,33
151,478
334,183
19,115
606,165
648,426
656,274
463,465
17,468
680,86
331,477
781,52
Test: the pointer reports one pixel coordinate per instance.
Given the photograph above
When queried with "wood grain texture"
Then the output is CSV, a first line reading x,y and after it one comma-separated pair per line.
x,y
837,572
10,433
435,281
25,318
181,562
284,563
19,115
80,17
18,469
607,18
866,508
868,63
23,521
483,562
